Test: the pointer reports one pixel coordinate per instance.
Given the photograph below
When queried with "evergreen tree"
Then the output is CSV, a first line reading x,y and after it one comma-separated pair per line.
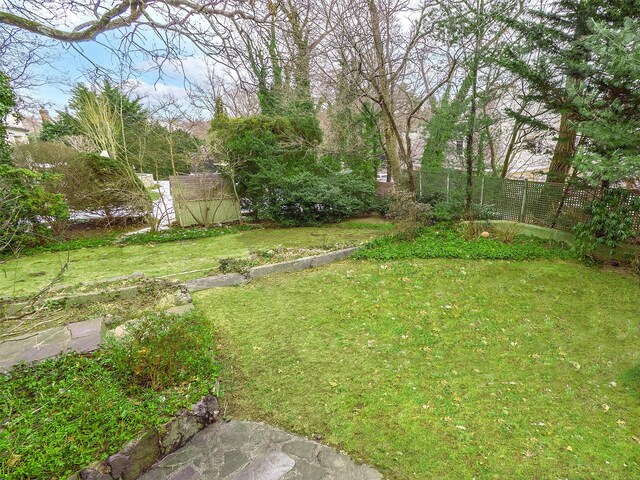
x,y
551,57
7,102
607,104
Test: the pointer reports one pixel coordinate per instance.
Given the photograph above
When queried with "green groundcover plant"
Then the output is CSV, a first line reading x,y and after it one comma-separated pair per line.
x,y
444,241
62,414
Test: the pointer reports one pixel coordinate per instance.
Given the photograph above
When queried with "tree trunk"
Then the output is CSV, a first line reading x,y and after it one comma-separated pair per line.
x,y
508,155
471,127
391,147
563,153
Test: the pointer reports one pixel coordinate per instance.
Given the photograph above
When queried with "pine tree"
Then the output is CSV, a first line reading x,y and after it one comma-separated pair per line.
x,y
607,104
550,61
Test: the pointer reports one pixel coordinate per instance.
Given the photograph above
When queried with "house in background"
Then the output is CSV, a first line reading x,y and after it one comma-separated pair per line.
x,y
17,133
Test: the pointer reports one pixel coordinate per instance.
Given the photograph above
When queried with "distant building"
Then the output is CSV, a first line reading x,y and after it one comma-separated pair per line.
x,y
17,134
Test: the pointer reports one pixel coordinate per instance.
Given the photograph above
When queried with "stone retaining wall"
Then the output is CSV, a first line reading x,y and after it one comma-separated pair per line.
x,y
153,445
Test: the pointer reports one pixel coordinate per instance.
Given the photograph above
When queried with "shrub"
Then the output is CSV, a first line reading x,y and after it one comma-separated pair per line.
x,y
163,351
472,230
309,199
610,222
507,232
408,214
26,208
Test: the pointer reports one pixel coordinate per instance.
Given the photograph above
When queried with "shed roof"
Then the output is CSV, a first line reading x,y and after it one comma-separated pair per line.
x,y
202,186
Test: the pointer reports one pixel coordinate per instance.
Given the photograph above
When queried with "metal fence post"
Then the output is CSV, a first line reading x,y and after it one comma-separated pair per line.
x,y
482,192
524,201
420,184
448,187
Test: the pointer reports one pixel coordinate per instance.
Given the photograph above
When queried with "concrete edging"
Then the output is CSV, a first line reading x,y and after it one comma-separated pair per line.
x,y
230,279
624,253
300,263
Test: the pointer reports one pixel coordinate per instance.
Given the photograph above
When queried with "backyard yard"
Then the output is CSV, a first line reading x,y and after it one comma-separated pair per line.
x,y
441,357
28,274
442,368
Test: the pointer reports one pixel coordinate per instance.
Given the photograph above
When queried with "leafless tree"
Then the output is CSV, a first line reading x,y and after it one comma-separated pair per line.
x,y
391,45
90,18
238,98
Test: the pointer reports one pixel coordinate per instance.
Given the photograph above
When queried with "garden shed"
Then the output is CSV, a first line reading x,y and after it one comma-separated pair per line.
x,y
203,199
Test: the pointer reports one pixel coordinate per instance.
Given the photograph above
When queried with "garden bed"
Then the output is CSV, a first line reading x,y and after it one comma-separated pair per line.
x,y
60,415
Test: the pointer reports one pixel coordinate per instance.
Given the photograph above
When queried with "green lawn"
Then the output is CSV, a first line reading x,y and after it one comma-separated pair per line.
x,y
30,273
443,368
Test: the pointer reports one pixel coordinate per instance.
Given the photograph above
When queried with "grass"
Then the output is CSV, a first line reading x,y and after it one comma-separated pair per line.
x,y
443,368
62,414
117,238
29,274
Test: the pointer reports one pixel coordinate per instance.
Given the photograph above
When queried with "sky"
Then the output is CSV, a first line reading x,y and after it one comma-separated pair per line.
x,y
70,65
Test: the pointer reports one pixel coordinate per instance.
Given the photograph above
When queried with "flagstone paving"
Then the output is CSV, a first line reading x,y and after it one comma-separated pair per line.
x,y
31,347
243,450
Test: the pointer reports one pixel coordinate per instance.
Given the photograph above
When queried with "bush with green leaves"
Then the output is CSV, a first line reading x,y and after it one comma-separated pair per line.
x,y
26,208
309,199
279,176
162,351
610,221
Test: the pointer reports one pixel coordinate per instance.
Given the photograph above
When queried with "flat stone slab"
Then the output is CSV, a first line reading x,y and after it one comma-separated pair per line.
x,y
80,337
180,309
242,450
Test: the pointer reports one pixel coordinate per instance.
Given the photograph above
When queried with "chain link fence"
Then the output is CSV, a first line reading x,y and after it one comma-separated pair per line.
x,y
553,205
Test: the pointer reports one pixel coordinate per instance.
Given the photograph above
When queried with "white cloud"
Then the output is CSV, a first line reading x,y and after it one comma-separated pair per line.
x,y
157,90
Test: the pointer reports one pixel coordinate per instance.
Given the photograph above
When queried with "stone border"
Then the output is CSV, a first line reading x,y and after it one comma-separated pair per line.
x,y
231,279
624,253
80,337
153,445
